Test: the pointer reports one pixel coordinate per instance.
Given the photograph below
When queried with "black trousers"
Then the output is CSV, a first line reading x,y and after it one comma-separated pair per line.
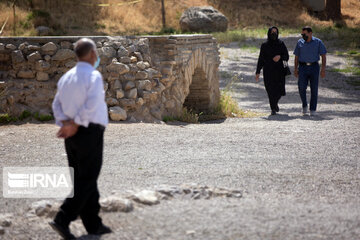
x,y
84,151
274,100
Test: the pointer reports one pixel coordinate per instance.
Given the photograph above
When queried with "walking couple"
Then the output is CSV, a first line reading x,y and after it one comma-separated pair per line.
x,y
273,60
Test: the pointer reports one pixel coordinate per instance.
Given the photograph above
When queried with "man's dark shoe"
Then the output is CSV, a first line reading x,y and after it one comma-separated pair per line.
x,y
102,230
64,232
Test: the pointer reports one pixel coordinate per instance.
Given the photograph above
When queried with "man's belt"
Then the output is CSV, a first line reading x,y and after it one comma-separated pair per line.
x,y
307,64
95,125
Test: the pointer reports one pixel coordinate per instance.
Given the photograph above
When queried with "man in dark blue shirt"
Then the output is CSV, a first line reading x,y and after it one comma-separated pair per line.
x,y
307,55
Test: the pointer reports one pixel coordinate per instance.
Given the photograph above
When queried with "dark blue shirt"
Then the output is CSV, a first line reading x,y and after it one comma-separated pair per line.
x,y
309,51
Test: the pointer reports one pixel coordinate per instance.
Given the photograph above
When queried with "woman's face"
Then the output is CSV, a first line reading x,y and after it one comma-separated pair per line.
x,y
274,31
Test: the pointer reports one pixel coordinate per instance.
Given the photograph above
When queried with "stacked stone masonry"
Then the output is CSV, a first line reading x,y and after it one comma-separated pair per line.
x,y
145,78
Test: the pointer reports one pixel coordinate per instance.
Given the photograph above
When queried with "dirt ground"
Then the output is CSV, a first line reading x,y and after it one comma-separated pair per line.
x,y
299,175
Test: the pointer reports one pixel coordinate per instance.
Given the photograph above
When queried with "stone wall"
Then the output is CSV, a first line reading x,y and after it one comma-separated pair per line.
x,y
145,78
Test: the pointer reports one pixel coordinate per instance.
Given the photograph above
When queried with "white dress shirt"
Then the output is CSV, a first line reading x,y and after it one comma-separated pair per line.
x,y
80,96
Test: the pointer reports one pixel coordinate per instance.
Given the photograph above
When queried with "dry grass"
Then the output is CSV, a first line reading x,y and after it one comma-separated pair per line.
x,y
77,17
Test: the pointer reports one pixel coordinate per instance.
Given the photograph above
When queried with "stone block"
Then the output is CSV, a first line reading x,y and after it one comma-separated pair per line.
x,y
41,76
117,114
131,94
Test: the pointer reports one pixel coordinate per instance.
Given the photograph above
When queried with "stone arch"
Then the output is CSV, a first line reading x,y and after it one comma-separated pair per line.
x,y
201,88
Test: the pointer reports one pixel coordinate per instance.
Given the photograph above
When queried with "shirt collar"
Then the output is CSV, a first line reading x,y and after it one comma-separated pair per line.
x,y
84,64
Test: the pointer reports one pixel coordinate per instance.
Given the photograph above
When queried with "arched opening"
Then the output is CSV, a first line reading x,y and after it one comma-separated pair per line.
x,y
199,95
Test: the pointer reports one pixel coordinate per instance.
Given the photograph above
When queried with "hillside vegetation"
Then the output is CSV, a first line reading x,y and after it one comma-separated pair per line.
x,y
127,17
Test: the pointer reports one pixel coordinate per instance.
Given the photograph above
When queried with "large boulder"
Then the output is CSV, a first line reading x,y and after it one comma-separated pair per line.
x,y
203,19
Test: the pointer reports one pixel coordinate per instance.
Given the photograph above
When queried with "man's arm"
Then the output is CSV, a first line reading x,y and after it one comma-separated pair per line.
x,y
57,110
296,63
323,65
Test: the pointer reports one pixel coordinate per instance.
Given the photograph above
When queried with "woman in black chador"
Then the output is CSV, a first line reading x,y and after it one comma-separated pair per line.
x,y
272,54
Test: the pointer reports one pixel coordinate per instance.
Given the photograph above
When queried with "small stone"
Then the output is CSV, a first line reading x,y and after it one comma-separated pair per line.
x,y
70,64
17,57
146,197
116,204
153,73
120,94
141,75
2,231
117,113
125,60
41,208
98,44
117,67
26,74
63,54
66,45
131,49
129,77
47,58
144,85
11,100
131,94
190,232
2,47
49,48
33,48
106,86
133,59
141,65
5,220
117,85
129,85
10,46
138,56
139,101
23,45
127,103
111,101
156,113
160,87
5,223
132,119
41,76
106,53
147,64
122,52
42,65
34,56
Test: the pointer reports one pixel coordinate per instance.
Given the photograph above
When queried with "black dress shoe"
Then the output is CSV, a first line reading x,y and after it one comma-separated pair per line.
x,y
64,232
102,230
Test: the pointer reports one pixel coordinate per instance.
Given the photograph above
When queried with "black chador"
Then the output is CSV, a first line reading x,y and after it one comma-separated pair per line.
x,y
274,74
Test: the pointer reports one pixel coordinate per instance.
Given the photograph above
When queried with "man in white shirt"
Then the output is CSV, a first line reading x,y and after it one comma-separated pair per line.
x,y
80,110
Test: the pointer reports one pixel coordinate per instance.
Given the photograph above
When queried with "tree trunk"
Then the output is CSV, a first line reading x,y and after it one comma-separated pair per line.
x,y
333,9
163,13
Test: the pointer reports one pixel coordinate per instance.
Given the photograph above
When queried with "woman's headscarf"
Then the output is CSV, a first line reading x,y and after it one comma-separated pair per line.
x,y
269,35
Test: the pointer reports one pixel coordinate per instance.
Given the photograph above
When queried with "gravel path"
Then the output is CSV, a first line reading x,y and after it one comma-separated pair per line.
x,y
299,175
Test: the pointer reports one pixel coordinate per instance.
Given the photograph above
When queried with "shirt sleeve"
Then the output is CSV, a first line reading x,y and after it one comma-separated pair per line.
x,y
297,50
322,49
94,97
58,111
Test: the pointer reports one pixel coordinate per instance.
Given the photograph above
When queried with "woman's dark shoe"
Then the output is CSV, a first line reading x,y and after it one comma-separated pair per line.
x,y
102,230
63,231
